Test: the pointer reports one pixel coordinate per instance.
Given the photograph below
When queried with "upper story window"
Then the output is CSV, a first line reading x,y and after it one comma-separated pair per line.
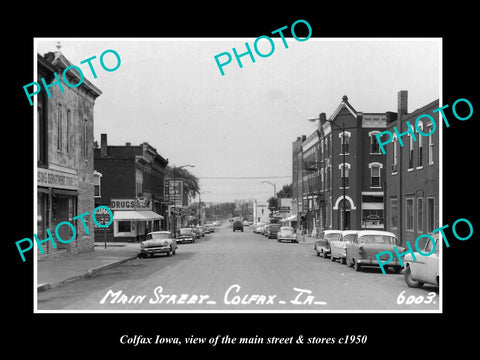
x,y
374,146
344,142
344,172
410,151
420,145
59,127
395,155
375,175
430,144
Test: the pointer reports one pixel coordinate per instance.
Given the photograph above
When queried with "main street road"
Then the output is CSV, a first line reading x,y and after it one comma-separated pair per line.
x,y
226,268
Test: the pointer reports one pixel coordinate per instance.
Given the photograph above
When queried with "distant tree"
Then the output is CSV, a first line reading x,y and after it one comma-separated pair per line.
x,y
286,191
190,182
273,203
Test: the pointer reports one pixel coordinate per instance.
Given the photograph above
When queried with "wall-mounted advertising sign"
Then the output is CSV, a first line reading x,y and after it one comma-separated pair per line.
x,y
131,204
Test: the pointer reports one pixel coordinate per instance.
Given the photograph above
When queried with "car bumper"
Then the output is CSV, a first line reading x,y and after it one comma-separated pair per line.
x,y
180,240
375,262
155,250
286,238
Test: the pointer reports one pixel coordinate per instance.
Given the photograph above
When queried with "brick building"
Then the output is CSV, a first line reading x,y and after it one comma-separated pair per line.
x,y
412,195
130,182
343,171
65,180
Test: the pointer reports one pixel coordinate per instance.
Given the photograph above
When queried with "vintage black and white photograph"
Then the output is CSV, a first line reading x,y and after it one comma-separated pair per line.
x,y
279,174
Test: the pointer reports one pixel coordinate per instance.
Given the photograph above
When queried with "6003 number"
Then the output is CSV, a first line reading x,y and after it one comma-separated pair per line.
x,y
412,299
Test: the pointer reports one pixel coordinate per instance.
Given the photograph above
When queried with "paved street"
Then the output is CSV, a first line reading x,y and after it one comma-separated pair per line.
x,y
236,271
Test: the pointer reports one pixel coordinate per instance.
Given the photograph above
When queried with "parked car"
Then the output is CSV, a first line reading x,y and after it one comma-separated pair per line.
x,y
201,229
261,229
363,249
286,233
322,244
185,234
157,242
210,227
338,248
425,269
271,230
197,232
237,225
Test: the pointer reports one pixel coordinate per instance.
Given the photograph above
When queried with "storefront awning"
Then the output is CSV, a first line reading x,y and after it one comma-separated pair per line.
x,y
126,215
291,218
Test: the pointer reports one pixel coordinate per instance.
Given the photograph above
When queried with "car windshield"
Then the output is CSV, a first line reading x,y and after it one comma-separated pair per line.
x,y
287,230
185,231
333,236
158,236
377,239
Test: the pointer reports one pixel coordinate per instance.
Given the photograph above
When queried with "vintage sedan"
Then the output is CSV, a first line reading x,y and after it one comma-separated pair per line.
x,y
158,242
425,270
197,232
185,234
338,248
286,233
363,249
271,230
261,229
322,244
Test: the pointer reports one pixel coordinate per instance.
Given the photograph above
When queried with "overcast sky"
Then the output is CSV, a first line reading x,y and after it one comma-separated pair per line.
x,y
170,93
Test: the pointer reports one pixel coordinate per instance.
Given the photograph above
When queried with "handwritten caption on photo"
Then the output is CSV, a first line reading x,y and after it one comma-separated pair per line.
x,y
98,209
137,340
232,296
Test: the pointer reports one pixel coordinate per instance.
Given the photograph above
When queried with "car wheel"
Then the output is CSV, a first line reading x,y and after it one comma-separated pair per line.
x,y
332,259
318,254
349,263
396,269
324,254
410,281
169,253
342,260
356,265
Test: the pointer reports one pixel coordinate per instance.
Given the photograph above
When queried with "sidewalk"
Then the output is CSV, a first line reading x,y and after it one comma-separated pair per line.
x,y
54,272
308,239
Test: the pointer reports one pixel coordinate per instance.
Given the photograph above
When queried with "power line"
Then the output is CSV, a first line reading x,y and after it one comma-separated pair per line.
x,y
244,177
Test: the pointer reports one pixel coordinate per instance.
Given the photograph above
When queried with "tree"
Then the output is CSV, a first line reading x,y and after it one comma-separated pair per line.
x,y
190,182
286,191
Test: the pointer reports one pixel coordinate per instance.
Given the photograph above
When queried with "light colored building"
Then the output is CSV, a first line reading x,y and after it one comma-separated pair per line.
x,y
261,213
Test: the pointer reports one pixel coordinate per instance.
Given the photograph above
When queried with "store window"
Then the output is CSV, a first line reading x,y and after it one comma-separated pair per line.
x,y
124,226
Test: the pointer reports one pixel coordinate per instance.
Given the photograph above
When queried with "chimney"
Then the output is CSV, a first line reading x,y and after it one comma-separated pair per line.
x,y
103,145
128,144
402,103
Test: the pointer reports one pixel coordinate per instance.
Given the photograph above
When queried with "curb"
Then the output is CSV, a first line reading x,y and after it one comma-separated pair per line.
x,y
89,273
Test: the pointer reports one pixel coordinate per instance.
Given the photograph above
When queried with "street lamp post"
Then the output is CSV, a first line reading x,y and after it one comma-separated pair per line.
x,y
274,189
174,199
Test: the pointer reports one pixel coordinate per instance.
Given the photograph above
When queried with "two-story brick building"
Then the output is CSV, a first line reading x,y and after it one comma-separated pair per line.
x,y
412,195
131,182
343,171
65,180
